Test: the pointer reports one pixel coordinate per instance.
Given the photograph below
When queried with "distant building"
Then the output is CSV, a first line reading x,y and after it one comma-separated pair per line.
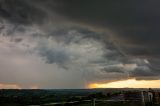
x,y
150,96
132,96
143,96
156,97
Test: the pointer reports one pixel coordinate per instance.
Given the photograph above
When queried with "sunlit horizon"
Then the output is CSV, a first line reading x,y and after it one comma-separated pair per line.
x,y
130,83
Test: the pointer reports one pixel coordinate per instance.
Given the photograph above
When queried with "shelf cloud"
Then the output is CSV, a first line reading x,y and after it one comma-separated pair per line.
x,y
71,43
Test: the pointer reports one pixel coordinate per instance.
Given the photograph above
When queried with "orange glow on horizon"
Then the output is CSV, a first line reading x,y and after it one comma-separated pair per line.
x,y
130,83
9,86
34,87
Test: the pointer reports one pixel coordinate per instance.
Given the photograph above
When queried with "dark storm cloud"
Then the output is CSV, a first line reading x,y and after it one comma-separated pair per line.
x,y
113,70
143,73
20,12
136,23
64,34
54,56
135,26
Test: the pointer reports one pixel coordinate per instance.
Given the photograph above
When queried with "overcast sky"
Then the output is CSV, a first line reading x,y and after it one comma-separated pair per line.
x,y
72,43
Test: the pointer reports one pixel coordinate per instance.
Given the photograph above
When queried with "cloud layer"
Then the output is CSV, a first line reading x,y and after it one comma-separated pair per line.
x,y
68,44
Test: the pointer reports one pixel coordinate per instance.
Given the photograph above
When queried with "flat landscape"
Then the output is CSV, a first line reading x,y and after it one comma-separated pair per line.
x,y
75,97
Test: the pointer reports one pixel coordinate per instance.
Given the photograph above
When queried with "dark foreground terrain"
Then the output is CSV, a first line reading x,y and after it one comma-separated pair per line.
x,y
80,97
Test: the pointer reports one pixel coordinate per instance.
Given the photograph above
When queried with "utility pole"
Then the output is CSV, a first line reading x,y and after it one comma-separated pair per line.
x,y
143,101
94,102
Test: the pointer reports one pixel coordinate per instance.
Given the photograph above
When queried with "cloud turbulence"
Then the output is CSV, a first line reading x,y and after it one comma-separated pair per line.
x,y
71,43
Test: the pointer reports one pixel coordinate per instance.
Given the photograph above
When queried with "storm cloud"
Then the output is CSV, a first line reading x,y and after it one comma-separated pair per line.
x,y
95,40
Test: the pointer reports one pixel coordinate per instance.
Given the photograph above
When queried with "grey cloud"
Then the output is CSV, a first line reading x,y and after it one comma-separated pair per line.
x,y
144,71
20,12
79,39
17,40
135,23
113,70
75,34
55,56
